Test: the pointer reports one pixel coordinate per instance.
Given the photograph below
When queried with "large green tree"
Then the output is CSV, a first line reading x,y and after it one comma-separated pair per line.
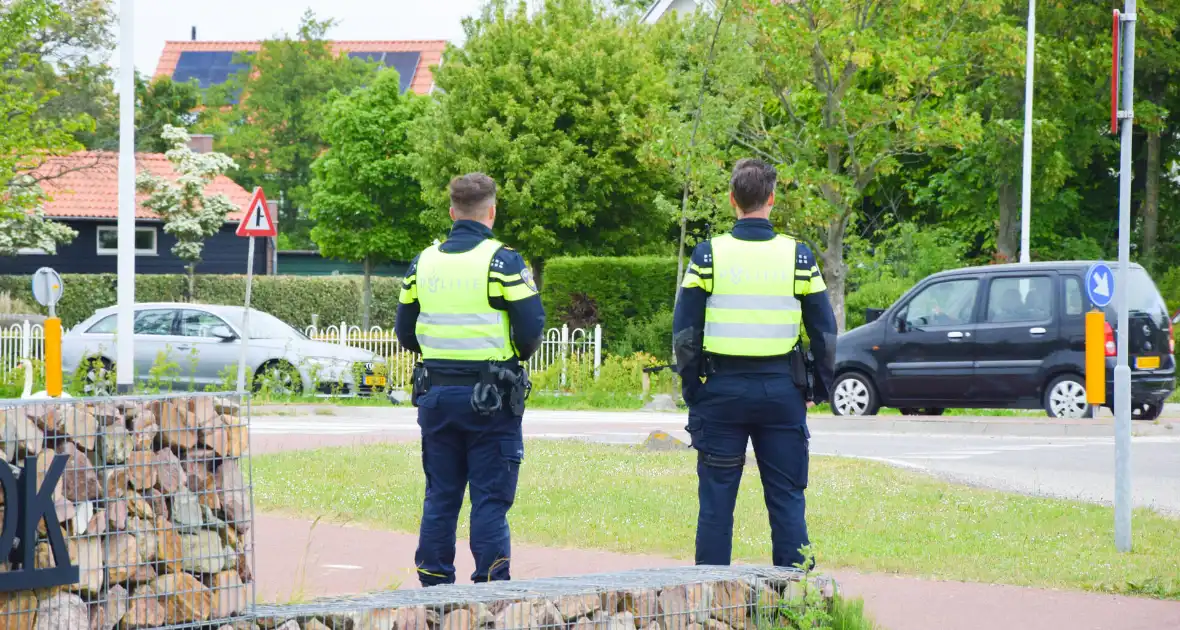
x,y
556,107
161,102
978,188
717,85
270,115
1157,96
366,203
67,63
28,137
859,86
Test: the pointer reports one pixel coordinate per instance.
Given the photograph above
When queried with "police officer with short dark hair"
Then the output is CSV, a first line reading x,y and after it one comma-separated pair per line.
x,y
737,324
470,307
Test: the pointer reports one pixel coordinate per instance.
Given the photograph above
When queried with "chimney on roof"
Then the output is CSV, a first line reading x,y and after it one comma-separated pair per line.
x,y
194,33
201,143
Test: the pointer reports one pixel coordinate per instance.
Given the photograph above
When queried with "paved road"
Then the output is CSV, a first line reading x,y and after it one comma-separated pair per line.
x,y
1006,458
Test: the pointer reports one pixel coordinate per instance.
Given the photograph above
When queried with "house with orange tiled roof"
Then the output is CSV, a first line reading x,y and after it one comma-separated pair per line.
x,y
212,62
83,192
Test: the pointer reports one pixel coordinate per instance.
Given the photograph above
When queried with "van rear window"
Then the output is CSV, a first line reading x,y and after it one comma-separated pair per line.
x,y
1142,296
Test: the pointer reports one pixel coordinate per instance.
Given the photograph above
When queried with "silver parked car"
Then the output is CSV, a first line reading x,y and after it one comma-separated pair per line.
x,y
201,344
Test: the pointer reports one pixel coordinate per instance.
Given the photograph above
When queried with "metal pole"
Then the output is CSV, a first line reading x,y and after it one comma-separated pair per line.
x,y
246,320
1026,189
125,321
1122,372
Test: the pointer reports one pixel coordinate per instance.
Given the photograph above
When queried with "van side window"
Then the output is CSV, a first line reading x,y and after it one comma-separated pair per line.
x,y
1073,295
1028,299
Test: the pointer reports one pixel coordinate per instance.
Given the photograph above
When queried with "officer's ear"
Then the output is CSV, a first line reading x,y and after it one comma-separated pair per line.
x,y
492,212
770,201
454,217
733,202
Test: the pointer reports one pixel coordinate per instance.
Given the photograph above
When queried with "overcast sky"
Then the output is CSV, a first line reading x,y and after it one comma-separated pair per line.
x,y
157,21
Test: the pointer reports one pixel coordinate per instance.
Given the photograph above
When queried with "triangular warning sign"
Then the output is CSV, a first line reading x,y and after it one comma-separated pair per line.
x,y
257,221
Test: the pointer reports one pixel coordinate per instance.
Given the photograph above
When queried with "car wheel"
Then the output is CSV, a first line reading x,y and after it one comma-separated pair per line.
x,y
1147,411
278,378
98,379
854,395
1066,398
923,411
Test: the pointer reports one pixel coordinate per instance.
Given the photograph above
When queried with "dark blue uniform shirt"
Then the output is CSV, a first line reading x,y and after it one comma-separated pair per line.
x,y
526,317
688,324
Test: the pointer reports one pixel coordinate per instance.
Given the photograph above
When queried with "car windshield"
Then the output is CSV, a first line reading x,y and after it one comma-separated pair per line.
x,y
264,325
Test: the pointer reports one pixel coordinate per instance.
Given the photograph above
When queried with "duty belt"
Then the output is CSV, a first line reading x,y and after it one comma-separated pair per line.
x,y
715,363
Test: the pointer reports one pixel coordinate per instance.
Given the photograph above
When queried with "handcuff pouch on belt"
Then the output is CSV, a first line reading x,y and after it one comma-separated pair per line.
x,y
496,382
421,383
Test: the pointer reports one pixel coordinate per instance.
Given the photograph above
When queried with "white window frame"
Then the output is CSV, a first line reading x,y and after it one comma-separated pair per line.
x,y
102,251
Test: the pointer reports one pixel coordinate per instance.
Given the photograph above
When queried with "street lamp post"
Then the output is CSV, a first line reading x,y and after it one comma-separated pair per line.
x,y
125,321
1026,188
1122,371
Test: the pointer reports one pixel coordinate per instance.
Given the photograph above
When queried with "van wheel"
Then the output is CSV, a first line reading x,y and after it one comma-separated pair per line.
x,y
854,395
923,411
1066,398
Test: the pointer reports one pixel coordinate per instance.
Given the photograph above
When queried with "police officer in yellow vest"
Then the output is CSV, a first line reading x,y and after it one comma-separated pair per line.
x,y
470,307
737,323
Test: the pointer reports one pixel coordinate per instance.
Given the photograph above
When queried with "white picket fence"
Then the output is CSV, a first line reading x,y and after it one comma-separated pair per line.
x,y
560,345
18,342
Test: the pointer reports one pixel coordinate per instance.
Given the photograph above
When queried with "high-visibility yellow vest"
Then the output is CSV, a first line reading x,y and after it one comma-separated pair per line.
x,y
752,311
456,321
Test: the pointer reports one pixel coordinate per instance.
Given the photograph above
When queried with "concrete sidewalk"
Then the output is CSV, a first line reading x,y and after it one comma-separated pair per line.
x,y
1037,426
295,560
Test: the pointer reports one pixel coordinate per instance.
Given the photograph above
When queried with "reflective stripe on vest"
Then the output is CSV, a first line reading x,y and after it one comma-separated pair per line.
x,y
753,311
456,321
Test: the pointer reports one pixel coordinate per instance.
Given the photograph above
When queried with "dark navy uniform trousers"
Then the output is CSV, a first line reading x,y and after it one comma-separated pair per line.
x,y
726,414
461,448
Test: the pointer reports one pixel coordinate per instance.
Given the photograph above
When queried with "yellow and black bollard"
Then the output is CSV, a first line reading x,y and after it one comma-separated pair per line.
x,y
53,356
1096,357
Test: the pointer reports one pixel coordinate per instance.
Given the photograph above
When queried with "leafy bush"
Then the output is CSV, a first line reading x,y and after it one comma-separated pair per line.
x,y
611,291
1169,287
293,299
651,335
618,377
13,306
899,257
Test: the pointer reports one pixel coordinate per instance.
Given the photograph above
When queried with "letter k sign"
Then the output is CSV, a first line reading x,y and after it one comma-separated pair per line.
x,y
25,505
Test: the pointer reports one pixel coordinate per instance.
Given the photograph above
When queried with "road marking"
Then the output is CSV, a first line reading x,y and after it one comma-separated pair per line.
x,y
346,567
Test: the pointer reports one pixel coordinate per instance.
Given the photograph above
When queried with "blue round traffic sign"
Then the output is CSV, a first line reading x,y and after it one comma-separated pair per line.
x,y
1100,284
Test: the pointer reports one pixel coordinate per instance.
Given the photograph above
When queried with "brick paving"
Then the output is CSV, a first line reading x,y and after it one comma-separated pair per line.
x,y
296,559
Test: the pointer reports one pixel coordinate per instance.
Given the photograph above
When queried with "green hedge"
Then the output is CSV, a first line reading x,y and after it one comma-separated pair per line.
x,y
615,292
293,299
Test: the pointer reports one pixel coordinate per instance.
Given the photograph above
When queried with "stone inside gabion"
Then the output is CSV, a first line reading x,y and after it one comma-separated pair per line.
x,y
153,505
739,598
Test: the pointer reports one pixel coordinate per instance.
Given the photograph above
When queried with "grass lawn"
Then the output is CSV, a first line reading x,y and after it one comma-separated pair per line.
x,y
864,515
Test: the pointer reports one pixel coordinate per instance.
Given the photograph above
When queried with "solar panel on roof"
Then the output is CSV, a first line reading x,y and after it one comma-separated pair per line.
x,y
406,64
207,67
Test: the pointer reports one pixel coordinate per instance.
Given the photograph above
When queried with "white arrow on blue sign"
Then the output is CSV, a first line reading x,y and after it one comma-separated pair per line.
x,y
1100,284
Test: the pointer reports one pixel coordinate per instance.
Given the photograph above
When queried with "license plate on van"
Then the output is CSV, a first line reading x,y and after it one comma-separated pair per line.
x,y
1147,363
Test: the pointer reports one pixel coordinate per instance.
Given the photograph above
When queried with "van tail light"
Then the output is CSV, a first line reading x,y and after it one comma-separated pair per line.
x,y
1111,350
1171,338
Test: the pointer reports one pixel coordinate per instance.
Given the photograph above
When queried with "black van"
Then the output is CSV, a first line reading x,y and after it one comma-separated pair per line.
x,y
1001,336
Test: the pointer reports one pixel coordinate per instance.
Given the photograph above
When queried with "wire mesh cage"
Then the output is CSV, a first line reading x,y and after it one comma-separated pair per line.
x,y
147,506
690,598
